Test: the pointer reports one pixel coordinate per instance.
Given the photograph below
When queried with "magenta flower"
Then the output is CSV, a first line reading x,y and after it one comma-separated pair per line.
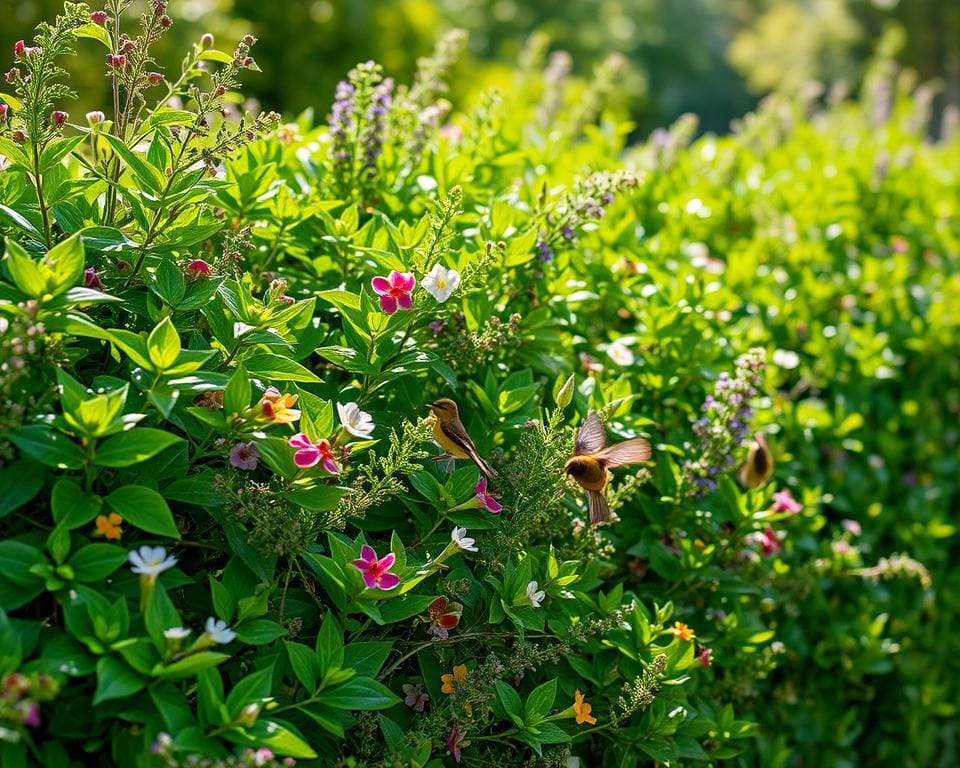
x,y
455,741
91,279
198,269
705,656
489,500
851,526
767,540
310,453
784,502
30,713
245,456
376,571
395,291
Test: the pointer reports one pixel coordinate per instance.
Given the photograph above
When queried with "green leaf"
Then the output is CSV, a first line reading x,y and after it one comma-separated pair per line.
x,y
133,446
115,680
223,603
259,631
509,698
252,689
366,657
67,262
21,480
97,561
146,174
47,446
330,644
191,665
320,498
169,283
163,345
143,508
237,395
280,738
27,275
540,702
400,608
305,664
16,560
277,368
360,694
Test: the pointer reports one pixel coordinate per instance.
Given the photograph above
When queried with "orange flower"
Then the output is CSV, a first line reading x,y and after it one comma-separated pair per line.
x,y
109,526
458,678
682,631
582,710
279,408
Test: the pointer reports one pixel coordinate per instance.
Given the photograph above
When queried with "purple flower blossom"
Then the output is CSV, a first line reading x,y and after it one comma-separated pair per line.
x,y
486,498
546,252
245,456
784,502
415,696
375,570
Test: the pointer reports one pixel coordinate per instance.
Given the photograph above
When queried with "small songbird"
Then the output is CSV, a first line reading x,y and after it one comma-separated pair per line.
x,y
452,436
759,464
591,463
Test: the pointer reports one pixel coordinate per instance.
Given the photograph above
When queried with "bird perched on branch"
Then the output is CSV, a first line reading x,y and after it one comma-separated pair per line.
x,y
591,463
452,436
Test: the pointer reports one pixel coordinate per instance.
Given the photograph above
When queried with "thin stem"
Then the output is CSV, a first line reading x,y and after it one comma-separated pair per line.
x,y
38,182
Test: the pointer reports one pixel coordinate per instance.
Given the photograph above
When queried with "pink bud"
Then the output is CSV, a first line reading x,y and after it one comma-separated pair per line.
x,y
96,117
91,279
18,48
99,17
155,78
3,112
197,269
58,118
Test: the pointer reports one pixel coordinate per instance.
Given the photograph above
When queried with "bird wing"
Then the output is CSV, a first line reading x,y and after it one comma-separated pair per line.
x,y
458,435
591,437
631,451
599,509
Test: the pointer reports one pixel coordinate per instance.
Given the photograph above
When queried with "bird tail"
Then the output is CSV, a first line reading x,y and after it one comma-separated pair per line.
x,y
599,509
489,471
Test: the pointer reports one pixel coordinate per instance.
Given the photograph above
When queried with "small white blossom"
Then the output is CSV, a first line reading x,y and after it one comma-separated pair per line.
x,y
358,423
533,595
459,537
151,561
620,353
218,631
176,633
440,282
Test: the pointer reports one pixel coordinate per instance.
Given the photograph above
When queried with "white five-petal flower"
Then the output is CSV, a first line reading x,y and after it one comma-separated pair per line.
x,y
218,631
459,537
176,633
620,353
151,561
358,423
533,595
440,282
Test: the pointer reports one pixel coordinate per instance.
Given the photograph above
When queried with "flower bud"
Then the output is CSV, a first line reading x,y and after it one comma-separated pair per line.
x,y
3,112
155,78
13,75
219,91
19,136
99,17
198,269
91,279
18,48
206,41
565,395
58,118
166,22
96,117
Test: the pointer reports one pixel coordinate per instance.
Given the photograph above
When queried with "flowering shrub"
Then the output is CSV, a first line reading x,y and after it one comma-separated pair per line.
x,y
227,540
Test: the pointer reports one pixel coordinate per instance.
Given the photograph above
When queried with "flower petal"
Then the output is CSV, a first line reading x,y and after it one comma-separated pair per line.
x,y
386,562
481,488
300,440
370,580
331,466
362,565
405,301
368,553
380,284
388,580
492,504
306,457
388,304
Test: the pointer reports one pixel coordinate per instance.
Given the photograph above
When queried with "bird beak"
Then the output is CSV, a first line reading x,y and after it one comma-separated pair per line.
x,y
432,407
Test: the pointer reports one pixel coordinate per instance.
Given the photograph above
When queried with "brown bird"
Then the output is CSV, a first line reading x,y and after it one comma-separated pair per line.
x,y
591,463
452,436
759,464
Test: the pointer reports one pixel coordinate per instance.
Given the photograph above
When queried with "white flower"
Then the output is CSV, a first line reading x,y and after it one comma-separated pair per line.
x,y
218,631
176,633
441,282
151,561
620,353
533,595
358,423
459,537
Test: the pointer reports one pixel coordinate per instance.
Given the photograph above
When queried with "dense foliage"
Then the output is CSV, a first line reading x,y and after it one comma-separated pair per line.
x,y
226,540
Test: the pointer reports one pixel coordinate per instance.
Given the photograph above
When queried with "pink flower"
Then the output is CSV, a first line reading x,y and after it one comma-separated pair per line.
x,y
3,112
852,526
155,78
18,48
487,499
99,17
309,454
91,279
705,656
198,268
245,456
784,502
395,291
768,540
31,713
455,741
376,571
416,698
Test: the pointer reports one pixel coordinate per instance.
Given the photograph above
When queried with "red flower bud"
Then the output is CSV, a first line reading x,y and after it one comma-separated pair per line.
x,y
155,78
19,136
159,7
58,118
18,48
220,91
13,75
117,61
198,269
99,17
3,112
247,62
166,22
249,40
128,46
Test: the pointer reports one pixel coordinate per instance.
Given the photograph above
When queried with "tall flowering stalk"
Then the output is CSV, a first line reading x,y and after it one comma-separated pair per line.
x,y
357,124
725,422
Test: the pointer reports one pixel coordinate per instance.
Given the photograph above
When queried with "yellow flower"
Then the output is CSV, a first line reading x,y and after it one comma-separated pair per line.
x,y
109,526
582,710
682,631
458,678
279,408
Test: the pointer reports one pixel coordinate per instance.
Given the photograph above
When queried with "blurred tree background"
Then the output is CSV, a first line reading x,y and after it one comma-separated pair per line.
x,y
710,57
